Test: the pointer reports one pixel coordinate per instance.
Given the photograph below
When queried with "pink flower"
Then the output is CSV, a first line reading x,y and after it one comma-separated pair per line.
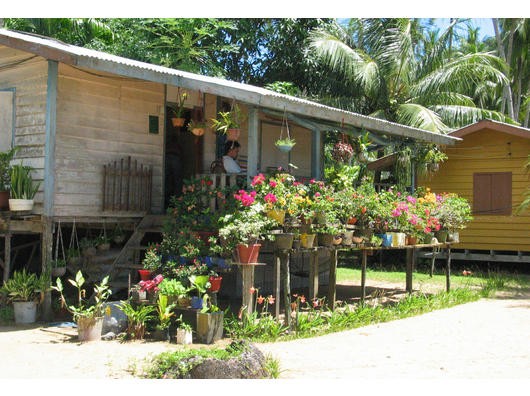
x,y
258,179
270,198
411,199
273,184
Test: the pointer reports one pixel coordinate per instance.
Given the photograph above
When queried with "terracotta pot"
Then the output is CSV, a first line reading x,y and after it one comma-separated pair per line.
x,y
233,134
248,254
412,240
215,282
178,122
198,131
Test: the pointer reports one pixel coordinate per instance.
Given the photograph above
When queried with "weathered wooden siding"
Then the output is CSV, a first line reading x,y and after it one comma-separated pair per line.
x,y
101,119
487,151
28,76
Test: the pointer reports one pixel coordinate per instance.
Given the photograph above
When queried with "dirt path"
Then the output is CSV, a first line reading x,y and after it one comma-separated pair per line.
x,y
488,339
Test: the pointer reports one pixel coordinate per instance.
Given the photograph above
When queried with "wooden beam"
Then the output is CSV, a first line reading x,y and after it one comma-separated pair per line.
x,y
253,143
49,149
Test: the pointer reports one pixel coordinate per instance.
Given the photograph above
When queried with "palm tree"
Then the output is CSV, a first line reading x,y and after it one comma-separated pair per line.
x,y
390,70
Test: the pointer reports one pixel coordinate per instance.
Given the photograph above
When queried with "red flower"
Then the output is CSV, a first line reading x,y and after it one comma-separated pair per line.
x,y
252,290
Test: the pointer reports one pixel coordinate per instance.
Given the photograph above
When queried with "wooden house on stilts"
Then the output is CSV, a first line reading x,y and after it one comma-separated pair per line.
x,y
96,129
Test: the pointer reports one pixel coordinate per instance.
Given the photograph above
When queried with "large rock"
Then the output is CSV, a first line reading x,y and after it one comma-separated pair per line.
x,y
248,365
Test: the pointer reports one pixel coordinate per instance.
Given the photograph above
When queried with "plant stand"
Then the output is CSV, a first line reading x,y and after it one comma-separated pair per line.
x,y
210,326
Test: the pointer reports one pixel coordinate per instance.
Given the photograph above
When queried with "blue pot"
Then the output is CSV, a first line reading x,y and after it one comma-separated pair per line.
x,y
387,239
196,302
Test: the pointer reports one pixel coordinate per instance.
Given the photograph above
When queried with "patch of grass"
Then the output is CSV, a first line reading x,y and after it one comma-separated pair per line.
x,y
7,315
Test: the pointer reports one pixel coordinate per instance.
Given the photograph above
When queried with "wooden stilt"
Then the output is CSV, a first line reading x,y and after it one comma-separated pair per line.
x,y
332,291
313,274
286,284
448,270
363,275
277,285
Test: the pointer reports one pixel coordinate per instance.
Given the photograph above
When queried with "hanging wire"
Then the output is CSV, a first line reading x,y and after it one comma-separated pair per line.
x,y
74,240
59,241
286,124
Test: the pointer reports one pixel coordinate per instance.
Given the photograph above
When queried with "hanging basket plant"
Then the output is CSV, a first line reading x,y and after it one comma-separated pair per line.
x,y
177,114
228,122
342,152
197,127
285,144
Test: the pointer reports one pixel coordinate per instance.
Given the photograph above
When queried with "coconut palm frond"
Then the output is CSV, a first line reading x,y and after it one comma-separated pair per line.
x,y
418,116
462,75
459,115
450,98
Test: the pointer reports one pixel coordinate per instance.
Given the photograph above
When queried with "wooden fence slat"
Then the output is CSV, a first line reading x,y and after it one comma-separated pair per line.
x,y
127,187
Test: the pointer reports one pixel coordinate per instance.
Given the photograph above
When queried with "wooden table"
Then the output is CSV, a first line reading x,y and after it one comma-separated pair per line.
x,y
411,259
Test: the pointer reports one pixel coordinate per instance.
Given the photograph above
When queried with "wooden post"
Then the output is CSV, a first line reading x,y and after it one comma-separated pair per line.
x,y
286,283
363,274
411,255
448,270
7,255
313,274
332,290
247,281
277,285
46,255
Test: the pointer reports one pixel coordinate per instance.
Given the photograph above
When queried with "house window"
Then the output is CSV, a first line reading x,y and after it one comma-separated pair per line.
x,y
6,120
492,193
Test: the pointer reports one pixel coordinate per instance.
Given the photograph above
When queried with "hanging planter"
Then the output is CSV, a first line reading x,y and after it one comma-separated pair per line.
x,y
228,122
285,144
342,151
177,118
197,127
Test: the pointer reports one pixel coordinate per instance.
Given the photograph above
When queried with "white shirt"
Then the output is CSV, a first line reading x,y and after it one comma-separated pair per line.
x,y
230,165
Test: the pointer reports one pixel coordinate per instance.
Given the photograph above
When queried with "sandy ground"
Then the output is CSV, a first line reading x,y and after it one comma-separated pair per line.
x,y
485,340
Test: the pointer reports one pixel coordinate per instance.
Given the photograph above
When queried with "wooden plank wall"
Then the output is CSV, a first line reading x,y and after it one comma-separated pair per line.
x,y
487,151
29,78
101,119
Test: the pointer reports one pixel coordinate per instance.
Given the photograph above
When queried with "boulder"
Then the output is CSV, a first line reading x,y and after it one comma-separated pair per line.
x,y
246,365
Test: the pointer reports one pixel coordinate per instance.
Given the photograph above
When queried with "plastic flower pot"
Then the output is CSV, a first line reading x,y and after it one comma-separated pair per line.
x,y
215,282
145,275
248,254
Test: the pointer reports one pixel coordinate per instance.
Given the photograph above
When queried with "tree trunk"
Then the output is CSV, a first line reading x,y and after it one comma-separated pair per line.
x,y
507,97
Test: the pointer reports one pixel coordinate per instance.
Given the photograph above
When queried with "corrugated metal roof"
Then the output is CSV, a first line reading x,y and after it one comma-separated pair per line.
x,y
84,57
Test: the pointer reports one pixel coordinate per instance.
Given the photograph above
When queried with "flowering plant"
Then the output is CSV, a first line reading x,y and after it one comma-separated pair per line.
x,y
275,191
245,226
453,212
342,152
151,284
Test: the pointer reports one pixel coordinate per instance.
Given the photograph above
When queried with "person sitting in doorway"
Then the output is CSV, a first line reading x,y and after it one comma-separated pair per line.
x,y
230,157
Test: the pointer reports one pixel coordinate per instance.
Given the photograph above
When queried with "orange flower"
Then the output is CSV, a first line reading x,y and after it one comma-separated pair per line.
x,y
260,300
252,290
271,300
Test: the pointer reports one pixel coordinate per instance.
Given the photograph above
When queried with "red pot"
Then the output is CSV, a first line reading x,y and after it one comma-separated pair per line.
x,y
248,254
215,282
145,275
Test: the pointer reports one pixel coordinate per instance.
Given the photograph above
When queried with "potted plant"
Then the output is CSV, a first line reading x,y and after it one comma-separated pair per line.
x,y
73,257
177,118
285,144
197,127
5,176
165,313
243,229
173,289
184,333
25,290
151,263
23,188
102,243
58,267
118,235
228,122
209,322
88,246
201,284
87,315
137,317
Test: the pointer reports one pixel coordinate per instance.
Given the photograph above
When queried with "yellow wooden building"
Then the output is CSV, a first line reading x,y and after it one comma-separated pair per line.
x,y
488,168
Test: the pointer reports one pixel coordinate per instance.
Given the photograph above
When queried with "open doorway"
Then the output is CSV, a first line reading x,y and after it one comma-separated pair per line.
x,y
183,156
